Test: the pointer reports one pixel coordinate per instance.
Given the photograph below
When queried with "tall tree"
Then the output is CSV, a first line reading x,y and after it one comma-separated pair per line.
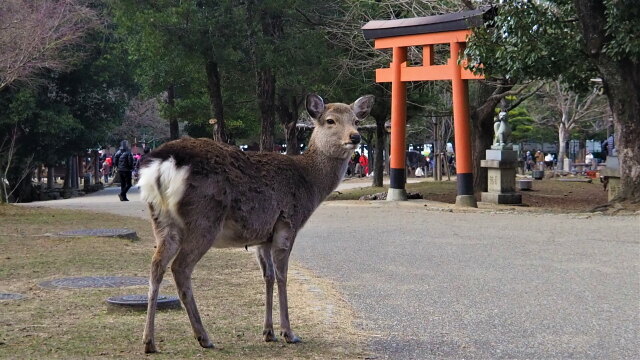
x,y
265,31
611,33
183,42
543,40
566,110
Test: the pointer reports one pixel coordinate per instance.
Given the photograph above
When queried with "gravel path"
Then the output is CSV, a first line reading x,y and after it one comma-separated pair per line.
x,y
430,282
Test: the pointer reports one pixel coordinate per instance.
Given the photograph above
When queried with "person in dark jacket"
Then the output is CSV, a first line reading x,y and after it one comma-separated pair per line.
x,y
123,161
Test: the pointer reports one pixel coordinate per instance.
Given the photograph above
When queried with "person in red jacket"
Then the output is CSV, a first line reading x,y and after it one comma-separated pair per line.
x,y
364,165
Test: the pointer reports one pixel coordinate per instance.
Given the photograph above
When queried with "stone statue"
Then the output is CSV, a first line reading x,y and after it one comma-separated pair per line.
x,y
501,132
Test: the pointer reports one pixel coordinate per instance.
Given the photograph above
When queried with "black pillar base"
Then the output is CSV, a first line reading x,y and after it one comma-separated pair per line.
x,y
398,178
465,184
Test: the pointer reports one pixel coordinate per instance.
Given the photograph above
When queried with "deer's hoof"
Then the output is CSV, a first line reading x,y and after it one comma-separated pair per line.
x,y
269,336
150,348
206,343
290,337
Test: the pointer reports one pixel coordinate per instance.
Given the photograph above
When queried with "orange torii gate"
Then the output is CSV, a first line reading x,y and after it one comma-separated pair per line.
x,y
452,29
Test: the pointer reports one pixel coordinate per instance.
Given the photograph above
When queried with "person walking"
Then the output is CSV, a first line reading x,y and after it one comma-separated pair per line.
x,y
106,171
123,161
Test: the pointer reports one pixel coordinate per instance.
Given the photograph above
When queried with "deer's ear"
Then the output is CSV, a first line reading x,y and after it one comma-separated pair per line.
x,y
315,106
362,106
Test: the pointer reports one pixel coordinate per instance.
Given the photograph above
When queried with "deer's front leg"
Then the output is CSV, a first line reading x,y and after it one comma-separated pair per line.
x,y
280,250
263,253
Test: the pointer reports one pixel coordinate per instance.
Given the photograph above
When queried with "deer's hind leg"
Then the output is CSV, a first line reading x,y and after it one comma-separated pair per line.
x,y
199,238
263,253
167,245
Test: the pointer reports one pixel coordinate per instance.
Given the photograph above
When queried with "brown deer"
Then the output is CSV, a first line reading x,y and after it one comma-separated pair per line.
x,y
204,194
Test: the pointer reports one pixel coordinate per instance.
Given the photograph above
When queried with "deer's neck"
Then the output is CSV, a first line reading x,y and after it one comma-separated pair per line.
x,y
325,172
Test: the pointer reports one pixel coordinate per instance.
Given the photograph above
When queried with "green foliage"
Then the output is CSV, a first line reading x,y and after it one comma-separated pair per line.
x,y
521,124
523,42
76,109
623,22
170,42
531,40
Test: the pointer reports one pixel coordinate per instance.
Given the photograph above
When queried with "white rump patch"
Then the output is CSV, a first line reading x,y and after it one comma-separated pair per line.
x,y
164,194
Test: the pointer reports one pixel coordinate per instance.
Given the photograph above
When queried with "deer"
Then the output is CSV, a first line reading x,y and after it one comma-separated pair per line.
x,y
204,194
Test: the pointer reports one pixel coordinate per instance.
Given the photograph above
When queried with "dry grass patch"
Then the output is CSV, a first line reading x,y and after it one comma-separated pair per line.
x,y
77,323
431,190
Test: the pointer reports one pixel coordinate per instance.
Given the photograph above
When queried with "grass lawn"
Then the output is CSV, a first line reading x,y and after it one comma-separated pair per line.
x,y
77,323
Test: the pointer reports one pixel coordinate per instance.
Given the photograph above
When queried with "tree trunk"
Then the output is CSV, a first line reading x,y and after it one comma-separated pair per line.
x,y
271,29
482,114
173,120
378,161
563,137
291,132
288,114
214,89
67,174
621,80
50,176
623,89
267,105
380,112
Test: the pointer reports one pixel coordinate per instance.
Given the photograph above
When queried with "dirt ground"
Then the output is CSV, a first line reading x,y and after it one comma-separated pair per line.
x,y
552,194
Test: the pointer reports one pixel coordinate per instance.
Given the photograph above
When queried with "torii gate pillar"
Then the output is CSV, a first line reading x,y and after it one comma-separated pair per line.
x,y
462,132
397,167
425,32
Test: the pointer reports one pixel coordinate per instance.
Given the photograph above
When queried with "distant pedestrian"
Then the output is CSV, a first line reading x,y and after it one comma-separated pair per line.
x,y
106,170
588,159
364,165
540,159
138,161
358,168
528,161
611,146
548,161
123,161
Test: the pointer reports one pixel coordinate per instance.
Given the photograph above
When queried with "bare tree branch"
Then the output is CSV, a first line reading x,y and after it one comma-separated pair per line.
x,y
39,35
522,98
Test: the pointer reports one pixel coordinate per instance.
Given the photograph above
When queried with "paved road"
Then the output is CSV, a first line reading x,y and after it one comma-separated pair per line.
x,y
432,283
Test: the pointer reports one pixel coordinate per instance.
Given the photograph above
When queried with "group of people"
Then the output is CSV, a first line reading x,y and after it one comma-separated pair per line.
x,y
426,164
126,164
537,161
358,165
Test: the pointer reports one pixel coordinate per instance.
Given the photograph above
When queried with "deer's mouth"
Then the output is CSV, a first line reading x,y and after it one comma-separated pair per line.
x,y
350,145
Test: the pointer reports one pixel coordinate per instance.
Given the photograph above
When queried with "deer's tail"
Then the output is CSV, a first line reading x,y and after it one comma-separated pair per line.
x,y
162,185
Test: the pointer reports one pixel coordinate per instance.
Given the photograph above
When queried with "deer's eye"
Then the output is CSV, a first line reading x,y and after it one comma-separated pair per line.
x,y
330,121
357,122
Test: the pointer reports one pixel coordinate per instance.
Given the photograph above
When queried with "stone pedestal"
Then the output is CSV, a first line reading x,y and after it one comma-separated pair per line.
x,y
611,173
396,195
567,165
501,167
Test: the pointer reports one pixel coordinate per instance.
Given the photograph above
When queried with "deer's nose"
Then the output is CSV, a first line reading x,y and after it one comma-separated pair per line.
x,y
355,138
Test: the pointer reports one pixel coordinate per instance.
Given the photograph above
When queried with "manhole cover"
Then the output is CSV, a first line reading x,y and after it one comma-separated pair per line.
x,y
95,282
120,233
10,296
141,301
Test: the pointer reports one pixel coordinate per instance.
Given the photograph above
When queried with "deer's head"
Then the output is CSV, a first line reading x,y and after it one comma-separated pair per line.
x,y
336,132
